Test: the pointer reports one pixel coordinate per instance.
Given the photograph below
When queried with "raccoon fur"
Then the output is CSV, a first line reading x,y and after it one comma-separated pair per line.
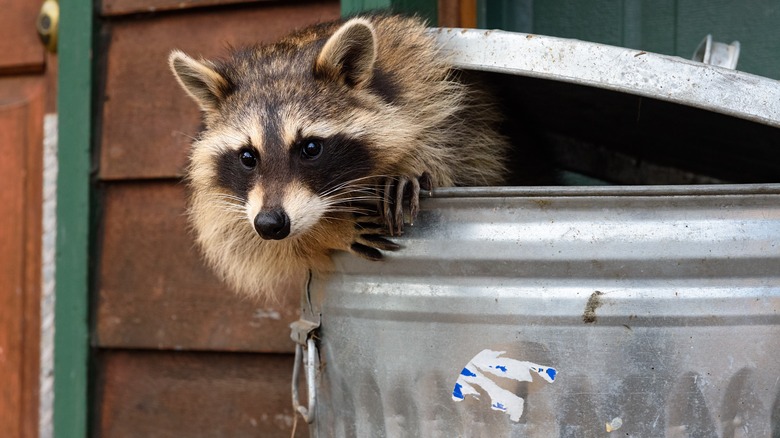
x,y
322,142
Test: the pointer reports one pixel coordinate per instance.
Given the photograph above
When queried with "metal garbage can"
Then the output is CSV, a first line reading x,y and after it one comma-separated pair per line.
x,y
629,310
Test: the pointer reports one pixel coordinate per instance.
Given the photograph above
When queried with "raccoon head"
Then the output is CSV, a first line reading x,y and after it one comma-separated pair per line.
x,y
287,134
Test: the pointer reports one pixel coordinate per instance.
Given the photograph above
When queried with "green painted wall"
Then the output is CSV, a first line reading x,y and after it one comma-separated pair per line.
x,y
424,8
673,27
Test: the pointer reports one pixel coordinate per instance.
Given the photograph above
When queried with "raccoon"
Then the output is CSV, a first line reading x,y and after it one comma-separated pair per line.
x,y
323,141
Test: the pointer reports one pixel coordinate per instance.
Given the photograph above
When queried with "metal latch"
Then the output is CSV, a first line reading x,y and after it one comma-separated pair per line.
x,y
302,329
303,335
717,53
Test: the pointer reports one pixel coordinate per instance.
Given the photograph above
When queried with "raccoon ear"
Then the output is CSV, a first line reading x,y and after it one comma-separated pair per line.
x,y
199,80
349,54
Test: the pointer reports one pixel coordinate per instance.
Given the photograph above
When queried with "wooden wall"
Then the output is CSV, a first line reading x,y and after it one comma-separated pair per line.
x,y
177,354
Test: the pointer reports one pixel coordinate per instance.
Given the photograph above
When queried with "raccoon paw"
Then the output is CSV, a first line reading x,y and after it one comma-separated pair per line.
x,y
368,242
396,192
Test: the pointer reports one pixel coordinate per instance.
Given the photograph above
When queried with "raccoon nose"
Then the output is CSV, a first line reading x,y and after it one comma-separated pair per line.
x,y
272,224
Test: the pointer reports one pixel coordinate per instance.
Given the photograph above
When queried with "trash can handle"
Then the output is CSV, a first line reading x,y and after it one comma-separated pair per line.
x,y
310,363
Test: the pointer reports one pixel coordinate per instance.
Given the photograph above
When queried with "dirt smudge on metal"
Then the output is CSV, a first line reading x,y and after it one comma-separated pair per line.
x,y
594,302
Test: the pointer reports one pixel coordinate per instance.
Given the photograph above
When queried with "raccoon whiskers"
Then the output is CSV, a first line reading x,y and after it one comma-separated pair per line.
x,y
343,197
366,191
352,204
327,217
363,194
231,204
229,197
232,208
348,204
184,134
350,210
351,183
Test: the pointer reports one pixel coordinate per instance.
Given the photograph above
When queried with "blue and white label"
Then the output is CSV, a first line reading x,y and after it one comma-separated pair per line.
x,y
474,374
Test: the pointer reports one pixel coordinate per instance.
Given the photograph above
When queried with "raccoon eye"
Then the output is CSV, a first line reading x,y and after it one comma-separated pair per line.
x,y
248,159
311,149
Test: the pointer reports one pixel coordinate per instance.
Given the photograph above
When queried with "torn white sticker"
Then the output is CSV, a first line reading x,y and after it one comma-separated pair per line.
x,y
489,362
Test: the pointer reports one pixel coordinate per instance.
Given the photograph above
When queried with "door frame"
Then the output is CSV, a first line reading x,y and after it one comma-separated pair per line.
x,y
74,102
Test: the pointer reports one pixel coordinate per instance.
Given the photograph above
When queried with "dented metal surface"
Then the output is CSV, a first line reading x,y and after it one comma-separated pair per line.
x,y
660,311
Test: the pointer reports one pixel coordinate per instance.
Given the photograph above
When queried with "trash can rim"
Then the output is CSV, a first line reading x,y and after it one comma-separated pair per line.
x,y
583,191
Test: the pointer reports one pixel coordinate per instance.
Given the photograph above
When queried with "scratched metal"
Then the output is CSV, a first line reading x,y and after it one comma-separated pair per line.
x,y
658,306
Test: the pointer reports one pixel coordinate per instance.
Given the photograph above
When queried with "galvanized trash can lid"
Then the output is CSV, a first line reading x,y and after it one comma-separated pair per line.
x,y
669,78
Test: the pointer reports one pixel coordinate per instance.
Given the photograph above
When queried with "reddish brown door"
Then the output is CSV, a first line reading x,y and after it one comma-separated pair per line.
x,y
24,98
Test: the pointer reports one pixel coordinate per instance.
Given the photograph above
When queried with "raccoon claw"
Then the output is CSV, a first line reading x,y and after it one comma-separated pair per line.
x,y
387,205
392,208
366,251
414,201
379,242
368,243
398,218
